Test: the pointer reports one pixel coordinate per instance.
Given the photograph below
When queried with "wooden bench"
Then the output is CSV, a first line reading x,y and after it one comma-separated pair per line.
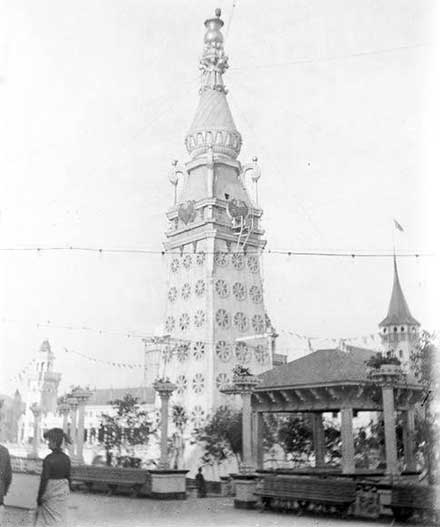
x,y
306,493
410,499
111,478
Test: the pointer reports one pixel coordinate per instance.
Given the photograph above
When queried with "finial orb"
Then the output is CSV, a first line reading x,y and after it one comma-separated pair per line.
x,y
174,162
255,159
218,12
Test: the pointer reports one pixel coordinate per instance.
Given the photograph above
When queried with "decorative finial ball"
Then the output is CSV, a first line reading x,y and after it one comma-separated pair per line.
x,y
174,162
255,159
218,12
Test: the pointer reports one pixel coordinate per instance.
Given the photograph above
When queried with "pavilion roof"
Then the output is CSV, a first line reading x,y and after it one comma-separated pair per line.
x,y
322,367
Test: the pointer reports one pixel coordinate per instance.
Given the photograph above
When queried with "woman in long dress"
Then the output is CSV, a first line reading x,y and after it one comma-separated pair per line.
x,y
54,488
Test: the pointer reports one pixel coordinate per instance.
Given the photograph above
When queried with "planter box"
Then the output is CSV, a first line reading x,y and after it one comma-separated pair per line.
x,y
245,487
167,484
23,491
225,486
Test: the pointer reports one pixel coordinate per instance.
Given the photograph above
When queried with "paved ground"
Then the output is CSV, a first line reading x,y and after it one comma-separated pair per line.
x,y
97,510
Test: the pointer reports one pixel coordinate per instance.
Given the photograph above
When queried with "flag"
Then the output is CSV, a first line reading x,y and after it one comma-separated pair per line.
x,y
398,226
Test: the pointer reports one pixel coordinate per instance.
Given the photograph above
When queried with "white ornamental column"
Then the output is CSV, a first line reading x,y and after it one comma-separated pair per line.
x,y
81,396
36,411
388,374
73,403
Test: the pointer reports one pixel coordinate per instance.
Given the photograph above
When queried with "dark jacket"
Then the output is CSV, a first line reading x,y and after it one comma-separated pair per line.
x,y
5,472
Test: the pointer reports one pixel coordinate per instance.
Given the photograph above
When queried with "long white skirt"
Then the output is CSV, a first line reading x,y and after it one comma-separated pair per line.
x,y
53,510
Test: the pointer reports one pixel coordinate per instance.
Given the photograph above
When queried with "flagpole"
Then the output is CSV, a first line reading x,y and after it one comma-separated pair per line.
x,y
393,236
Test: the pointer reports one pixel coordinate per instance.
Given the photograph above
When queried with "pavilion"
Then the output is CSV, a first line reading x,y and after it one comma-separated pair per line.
x,y
332,380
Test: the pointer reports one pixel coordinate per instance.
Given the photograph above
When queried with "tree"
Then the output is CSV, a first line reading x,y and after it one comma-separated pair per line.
x,y
295,436
425,365
221,435
128,427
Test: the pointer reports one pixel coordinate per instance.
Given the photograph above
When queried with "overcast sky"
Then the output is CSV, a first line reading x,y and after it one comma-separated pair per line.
x,y
95,99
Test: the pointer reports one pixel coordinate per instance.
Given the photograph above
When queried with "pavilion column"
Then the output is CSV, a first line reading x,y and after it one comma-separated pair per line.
x,y
36,411
318,438
347,440
257,440
409,439
80,435
64,410
247,429
390,429
73,403
165,389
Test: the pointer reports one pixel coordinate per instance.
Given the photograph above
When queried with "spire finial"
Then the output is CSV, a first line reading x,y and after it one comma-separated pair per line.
x,y
214,62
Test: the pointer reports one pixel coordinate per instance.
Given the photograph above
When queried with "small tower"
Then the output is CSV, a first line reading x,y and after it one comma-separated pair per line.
x,y
215,316
43,381
399,330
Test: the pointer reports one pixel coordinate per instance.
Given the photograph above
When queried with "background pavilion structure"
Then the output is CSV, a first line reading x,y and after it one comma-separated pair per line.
x,y
333,380
215,290
339,381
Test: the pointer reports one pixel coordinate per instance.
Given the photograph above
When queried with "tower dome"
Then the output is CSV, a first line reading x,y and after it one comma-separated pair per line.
x,y
213,125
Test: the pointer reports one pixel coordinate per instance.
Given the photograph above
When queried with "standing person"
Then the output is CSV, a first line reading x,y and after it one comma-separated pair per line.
x,y
201,484
5,477
54,488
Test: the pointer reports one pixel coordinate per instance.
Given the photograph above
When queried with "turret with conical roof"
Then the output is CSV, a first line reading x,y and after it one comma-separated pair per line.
x,y
399,329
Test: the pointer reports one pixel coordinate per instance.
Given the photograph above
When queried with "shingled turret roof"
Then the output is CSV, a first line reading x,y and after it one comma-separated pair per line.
x,y
398,310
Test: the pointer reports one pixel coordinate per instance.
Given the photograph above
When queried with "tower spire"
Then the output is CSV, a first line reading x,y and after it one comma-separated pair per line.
x,y
213,125
398,310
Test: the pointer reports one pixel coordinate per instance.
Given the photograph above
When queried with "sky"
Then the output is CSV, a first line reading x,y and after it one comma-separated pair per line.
x,y
335,98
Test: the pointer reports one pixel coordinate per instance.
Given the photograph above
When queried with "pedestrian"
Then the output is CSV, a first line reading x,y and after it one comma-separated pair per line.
x,y
54,488
201,484
5,477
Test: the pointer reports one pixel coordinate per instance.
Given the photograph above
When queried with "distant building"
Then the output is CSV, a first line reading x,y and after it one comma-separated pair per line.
x,y
41,388
399,330
99,404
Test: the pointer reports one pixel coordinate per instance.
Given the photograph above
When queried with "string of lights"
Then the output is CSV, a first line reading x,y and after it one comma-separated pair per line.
x,y
286,252
115,364
152,340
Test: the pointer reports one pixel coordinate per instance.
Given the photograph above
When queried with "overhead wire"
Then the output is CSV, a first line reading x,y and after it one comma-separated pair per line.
x,y
288,252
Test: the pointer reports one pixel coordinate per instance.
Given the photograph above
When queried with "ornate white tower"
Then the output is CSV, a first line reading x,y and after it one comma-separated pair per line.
x,y
215,312
399,330
43,381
